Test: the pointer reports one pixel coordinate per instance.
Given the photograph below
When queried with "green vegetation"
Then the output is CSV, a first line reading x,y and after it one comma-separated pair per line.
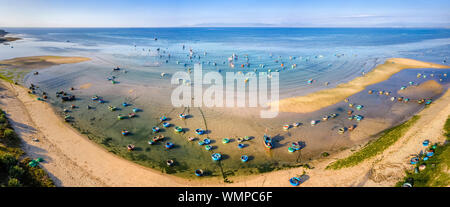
x,y
373,148
15,171
436,172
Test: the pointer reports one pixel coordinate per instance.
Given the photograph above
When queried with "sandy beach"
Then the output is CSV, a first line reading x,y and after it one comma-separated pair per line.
x,y
73,160
327,97
39,62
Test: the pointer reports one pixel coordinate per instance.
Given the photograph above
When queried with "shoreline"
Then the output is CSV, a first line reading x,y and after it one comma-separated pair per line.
x,y
327,97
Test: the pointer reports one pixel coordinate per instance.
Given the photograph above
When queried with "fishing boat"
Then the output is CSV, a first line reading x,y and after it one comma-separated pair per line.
x,y
370,91
130,147
151,142
169,145
267,142
216,156
101,101
94,98
182,116
131,115
296,124
125,132
225,140
201,143
120,117
112,108
286,127
291,149
325,117
158,138
207,141
178,129
169,162
240,145
414,160
155,129
199,131
295,181
239,140
359,117
191,139
313,122
359,107
333,115
163,118
198,172
244,158
246,138
426,143
208,147
166,124
349,112
136,110
341,130
392,98
125,104
351,128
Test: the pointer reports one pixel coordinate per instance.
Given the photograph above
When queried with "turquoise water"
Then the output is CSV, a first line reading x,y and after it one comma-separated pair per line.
x,y
324,55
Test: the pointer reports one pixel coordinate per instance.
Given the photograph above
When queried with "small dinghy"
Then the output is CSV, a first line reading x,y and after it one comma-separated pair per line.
x,y
168,145
166,124
182,116
244,158
426,143
370,91
131,115
94,98
239,139
199,131
430,153
246,138
313,122
155,129
130,147
216,156
201,143
325,117
178,129
359,107
392,98
169,162
267,142
208,147
163,118
295,181
125,132
341,130
120,117
351,128
101,101
125,104
286,127
414,160
198,172
158,138
191,139
151,142
333,115
225,140
207,141
296,124
136,110
240,145
112,108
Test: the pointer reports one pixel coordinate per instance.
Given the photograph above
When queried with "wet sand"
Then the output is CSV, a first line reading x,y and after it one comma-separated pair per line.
x,y
430,87
39,62
321,99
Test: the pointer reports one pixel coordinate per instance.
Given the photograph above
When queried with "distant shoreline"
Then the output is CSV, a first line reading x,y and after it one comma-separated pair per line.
x,y
4,39
328,97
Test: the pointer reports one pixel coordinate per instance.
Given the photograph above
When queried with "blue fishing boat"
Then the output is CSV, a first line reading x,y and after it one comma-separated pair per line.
x,y
267,142
168,145
155,129
166,124
295,181
198,172
207,141
216,156
136,110
240,145
244,158
163,118
199,131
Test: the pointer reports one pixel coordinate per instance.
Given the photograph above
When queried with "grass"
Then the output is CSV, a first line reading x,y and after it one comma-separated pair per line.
x,y
14,168
437,171
388,138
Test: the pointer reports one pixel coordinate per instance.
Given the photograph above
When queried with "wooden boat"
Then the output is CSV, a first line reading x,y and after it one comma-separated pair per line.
x,y
267,142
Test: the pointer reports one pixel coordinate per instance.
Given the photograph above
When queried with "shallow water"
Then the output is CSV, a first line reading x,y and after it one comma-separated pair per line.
x,y
325,55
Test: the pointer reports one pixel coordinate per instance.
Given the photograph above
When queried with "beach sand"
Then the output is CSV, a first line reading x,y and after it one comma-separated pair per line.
x,y
39,62
430,87
328,97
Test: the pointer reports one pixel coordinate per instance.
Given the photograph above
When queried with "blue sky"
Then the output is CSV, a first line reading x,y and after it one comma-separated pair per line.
x,y
176,13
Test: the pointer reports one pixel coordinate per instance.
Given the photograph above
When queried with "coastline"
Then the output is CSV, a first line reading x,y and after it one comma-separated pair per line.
x,y
74,160
327,97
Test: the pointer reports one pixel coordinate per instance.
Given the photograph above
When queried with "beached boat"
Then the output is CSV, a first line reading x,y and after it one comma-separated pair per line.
x,y
158,138
169,145
333,115
341,130
208,147
201,142
359,117
163,118
240,145
178,129
94,98
101,101
169,162
430,153
351,128
370,91
225,140
199,131
155,129
393,98
130,147
349,112
151,142
166,124
125,132
125,104
325,117
244,158
296,124
112,108
267,142
414,160
239,140
286,127
182,116
207,141
191,139
198,172
216,156
120,117
359,107
136,110
131,115
295,181
313,122
426,143
291,149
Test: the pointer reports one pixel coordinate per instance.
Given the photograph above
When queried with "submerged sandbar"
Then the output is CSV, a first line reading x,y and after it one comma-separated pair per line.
x,y
39,62
324,98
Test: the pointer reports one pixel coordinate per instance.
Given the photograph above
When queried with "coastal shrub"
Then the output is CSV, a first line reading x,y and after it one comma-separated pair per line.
x,y
13,182
7,160
16,172
35,176
388,138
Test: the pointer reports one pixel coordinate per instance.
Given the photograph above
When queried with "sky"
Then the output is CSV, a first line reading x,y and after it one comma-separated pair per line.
x,y
184,13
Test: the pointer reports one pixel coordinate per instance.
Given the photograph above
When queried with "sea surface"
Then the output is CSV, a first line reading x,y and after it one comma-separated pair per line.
x,y
318,55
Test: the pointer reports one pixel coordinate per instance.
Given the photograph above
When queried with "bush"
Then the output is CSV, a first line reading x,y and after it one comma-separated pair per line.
x,y
16,172
13,182
7,160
